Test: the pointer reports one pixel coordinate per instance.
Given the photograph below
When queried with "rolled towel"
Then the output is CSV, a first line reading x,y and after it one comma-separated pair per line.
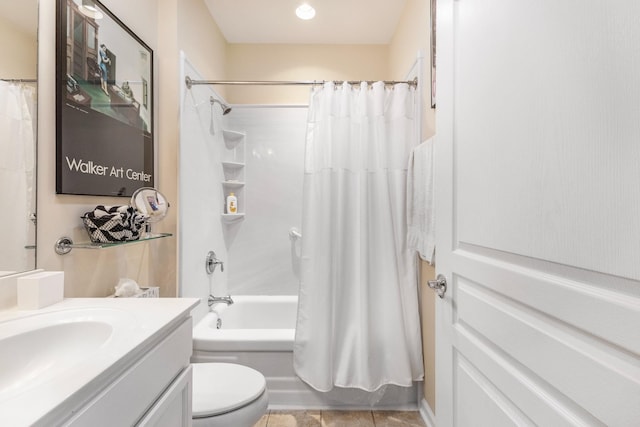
x,y
102,210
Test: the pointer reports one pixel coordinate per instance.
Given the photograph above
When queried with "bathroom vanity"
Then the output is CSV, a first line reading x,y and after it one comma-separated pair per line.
x,y
99,362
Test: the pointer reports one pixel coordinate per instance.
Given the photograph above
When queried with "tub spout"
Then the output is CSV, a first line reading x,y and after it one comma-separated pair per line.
x,y
215,300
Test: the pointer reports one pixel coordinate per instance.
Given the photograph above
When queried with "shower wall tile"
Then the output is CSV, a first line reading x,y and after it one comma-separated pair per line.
x,y
263,260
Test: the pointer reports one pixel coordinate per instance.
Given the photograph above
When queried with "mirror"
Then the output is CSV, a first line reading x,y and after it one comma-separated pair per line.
x,y
151,203
18,94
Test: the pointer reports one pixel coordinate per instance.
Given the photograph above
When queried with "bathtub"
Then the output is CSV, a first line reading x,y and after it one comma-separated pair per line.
x,y
252,323
258,331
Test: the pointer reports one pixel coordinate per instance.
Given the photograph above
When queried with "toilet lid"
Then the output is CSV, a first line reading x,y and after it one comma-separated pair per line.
x,y
224,387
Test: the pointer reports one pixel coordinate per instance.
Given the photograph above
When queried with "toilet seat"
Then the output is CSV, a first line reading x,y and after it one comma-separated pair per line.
x,y
219,388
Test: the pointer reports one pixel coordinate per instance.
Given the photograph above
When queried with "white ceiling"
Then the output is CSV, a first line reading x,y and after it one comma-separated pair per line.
x,y
336,21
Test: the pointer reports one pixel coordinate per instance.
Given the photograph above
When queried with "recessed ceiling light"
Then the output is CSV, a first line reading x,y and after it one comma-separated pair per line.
x,y
305,12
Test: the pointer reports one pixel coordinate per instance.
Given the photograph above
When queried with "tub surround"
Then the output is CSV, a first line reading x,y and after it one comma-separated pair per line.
x,y
143,355
258,331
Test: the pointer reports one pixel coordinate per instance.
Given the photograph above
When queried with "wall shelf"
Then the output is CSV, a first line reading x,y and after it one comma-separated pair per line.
x,y
232,138
229,218
233,184
64,244
232,165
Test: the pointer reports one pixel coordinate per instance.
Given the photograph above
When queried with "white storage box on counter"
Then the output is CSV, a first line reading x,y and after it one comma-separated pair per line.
x,y
39,290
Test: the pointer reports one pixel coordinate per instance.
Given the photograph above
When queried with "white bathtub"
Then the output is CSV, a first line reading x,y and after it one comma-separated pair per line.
x,y
258,331
252,323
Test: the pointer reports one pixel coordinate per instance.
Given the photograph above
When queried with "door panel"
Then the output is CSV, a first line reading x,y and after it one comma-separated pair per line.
x,y
587,371
544,405
574,297
538,207
483,402
546,120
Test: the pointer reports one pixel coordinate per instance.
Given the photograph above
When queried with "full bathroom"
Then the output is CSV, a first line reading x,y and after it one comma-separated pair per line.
x,y
255,254
290,288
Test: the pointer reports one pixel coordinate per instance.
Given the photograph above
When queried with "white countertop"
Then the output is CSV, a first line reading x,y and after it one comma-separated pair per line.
x,y
136,323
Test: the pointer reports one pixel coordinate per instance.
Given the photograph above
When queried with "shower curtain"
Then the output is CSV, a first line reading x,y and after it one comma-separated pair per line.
x,y
358,322
17,145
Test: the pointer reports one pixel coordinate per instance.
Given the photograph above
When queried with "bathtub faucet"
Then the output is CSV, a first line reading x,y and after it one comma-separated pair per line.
x,y
215,300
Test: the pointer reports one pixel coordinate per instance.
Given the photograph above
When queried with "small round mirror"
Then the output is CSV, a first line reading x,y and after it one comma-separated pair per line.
x,y
151,203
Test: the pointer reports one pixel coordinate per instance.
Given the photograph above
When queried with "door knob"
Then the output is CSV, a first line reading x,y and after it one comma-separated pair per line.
x,y
439,285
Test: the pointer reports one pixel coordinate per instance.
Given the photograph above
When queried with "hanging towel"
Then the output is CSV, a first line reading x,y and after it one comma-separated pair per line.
x,y
421,233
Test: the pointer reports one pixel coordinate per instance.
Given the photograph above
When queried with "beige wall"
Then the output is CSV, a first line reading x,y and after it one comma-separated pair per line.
x,y
299,62
87,272
202,41
164,264
94,273
412,36
18,50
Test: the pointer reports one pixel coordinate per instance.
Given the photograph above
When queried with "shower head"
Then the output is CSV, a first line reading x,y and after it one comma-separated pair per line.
x,y
225,108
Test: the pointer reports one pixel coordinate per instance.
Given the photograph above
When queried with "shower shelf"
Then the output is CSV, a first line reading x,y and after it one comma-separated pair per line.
x,y
228,218
233,184
234,142
232,165
232,138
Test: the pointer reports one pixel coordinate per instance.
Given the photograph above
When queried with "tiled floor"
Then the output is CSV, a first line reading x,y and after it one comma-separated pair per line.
x,y
340,419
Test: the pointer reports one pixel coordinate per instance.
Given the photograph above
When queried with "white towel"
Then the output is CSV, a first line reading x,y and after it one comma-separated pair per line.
x,y
421,233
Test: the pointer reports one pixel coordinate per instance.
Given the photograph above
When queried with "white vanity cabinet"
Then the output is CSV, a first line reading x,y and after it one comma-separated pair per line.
x,y
153,389
173,409
97,362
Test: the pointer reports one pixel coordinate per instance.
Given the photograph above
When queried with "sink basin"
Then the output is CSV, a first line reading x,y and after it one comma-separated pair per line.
x,y
39,348
58,363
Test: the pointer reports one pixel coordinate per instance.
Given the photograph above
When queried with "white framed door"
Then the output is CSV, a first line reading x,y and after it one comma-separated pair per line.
x,y
538,213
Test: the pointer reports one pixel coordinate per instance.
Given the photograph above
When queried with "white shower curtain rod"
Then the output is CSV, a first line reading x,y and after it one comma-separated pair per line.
x,y
190,82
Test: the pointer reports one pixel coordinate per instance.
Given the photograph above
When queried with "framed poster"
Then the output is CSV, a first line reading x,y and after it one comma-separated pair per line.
x,y
104,103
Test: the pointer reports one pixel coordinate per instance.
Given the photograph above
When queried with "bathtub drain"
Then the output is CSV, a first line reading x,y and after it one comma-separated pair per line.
x,y
219,323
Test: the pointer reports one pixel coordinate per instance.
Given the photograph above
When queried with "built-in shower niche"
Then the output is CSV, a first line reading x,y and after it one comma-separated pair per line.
x,y
233,166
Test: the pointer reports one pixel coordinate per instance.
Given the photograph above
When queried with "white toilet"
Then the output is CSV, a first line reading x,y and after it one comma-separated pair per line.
x,y
227,395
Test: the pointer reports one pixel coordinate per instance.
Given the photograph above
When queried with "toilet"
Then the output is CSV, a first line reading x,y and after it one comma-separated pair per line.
x,y
227,395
